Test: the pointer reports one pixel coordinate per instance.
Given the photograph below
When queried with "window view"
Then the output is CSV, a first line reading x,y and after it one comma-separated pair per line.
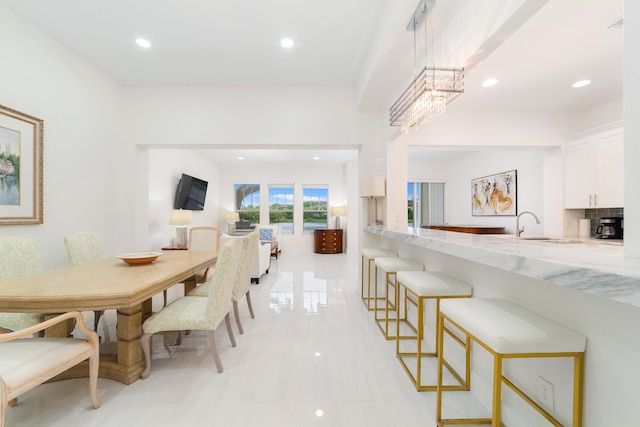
x,y
314,208
247,205
425,204
281,207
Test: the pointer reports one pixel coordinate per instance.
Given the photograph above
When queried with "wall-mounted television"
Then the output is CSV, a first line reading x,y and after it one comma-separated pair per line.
x,y
191,193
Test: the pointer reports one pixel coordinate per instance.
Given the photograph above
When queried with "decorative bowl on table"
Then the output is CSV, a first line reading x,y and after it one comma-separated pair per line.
x,y
139,258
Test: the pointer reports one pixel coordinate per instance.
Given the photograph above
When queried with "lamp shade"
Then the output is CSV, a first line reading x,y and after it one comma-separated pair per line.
x,y
372,186
339,210
233,216
180,217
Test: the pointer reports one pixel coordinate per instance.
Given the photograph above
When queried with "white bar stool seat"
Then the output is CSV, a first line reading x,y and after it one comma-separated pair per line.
x,y
507,330
390,266
368,255
420,286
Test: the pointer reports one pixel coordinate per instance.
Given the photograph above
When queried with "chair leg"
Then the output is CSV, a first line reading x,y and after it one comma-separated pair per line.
x,y
227,321
96,319
3,408
145,341
94,365
214,350
248,296
235,312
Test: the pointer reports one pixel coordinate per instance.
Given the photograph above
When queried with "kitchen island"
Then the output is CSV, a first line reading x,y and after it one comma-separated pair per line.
x,y
587,285
597,267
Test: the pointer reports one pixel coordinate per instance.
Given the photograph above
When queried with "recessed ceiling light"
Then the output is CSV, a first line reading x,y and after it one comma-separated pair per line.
x,y
240,158
581,83
286,43
316,158
143,43
489,82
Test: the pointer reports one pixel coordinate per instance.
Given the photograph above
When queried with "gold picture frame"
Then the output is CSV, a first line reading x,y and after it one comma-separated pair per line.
x,y
21,168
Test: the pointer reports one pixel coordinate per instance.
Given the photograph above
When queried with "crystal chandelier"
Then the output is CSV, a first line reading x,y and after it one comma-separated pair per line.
x,y
433,88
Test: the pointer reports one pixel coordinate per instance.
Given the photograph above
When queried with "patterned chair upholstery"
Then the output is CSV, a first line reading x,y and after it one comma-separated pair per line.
x,y
26,362
83,247
242,285
197,313
18,257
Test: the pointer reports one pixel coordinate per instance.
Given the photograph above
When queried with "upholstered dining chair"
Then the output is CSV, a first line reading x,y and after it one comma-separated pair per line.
x,y
242,284
18,257
26,362
204,239
83,247
198,313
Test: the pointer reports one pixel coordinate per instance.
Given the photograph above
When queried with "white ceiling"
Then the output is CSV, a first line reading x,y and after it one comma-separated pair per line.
x,y
536,54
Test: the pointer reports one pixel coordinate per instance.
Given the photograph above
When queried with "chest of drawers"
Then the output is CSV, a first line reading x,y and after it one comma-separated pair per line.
x,y
327,241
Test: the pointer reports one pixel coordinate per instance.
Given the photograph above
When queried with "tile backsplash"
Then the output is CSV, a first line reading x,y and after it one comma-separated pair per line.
x,y
595,214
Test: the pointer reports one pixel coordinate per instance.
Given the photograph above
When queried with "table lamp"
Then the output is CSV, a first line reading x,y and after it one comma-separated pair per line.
x,y
372,187
338,211
232,218
181,219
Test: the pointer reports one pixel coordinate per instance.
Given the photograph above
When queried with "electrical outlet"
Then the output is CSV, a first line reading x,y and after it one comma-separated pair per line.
x,y
545,393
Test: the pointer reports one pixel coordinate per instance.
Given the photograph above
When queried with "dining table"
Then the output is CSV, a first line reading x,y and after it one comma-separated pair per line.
x,y
106,284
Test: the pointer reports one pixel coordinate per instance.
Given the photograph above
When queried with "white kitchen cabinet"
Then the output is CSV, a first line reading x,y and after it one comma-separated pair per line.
x,y
594,169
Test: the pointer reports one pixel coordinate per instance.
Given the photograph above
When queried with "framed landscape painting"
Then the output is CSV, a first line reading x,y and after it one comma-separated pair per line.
x,y
21,168
495,195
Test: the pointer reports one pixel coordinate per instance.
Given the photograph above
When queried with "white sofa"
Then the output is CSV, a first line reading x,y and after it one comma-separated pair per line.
x,y
276,235
261,262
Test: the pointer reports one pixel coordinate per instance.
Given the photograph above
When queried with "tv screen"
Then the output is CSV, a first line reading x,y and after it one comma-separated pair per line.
x,y
190,194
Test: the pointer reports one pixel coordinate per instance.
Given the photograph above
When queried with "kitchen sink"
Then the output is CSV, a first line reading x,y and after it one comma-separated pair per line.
x,y
547,239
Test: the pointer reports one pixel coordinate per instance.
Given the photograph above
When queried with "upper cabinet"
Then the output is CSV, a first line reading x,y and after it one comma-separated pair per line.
x,y
594,169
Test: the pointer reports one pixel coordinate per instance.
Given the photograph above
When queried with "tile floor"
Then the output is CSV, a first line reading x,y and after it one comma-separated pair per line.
x,y
313,356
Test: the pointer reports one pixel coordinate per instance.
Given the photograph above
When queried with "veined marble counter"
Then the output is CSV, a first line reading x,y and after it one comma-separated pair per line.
x,y
595,267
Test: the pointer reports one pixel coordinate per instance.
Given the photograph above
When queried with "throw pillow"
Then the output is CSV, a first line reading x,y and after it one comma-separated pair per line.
x,y
266,234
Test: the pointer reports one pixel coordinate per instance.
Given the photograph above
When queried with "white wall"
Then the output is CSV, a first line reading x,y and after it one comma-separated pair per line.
x,y
631,129
237,117
529,166
86,178
166,166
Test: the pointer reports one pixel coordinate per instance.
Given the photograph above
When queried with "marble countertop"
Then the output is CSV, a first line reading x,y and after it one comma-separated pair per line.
x,y
593,266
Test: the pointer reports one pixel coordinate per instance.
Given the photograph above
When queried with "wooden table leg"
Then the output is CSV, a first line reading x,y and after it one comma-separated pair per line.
x,y
62,329
190,284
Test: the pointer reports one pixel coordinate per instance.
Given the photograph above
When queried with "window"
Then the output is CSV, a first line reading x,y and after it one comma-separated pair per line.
x,y
314,208
425,204
248,203
281,207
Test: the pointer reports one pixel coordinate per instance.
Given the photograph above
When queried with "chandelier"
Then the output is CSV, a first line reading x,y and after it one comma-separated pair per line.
x,y
433,88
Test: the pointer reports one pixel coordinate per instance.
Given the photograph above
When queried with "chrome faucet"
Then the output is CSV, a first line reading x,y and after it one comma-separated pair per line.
x,y
520,230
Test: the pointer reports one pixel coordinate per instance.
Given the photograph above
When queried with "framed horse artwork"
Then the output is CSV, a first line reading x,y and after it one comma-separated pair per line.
x,y
495,195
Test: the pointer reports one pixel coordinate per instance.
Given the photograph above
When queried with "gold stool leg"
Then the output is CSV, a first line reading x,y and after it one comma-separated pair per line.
x,y
578,389
497,390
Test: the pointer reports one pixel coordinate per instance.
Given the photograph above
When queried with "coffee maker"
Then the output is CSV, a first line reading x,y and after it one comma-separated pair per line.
x,y
610,228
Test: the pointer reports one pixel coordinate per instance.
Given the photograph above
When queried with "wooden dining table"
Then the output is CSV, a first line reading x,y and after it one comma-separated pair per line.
x,y
101,285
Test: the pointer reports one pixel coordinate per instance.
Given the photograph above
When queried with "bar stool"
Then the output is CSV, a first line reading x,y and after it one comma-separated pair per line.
x,y
390,266
506,331
369,254
420,286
